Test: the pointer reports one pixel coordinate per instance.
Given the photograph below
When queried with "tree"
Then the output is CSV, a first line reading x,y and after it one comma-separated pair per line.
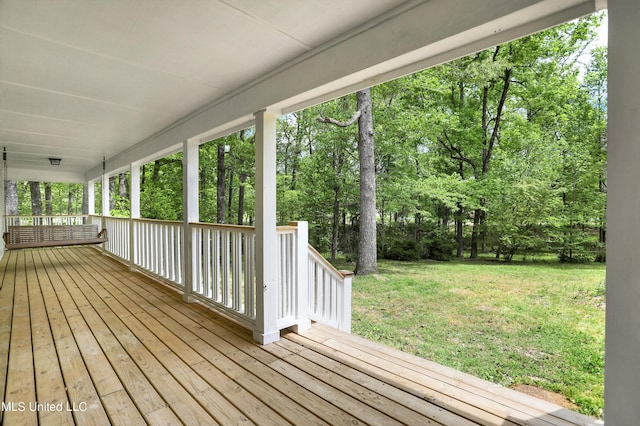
x,y
244,155
36,198
480,94
595,81
367,262
85,198
367,243
47,198
11,197
220,184
326,178
112,193
161,188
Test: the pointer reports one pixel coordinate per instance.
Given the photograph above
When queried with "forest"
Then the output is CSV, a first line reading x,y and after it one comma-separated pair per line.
x,y
496,154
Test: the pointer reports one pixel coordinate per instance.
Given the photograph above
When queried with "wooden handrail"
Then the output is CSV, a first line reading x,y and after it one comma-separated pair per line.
x,y
328,264
141,219
223,226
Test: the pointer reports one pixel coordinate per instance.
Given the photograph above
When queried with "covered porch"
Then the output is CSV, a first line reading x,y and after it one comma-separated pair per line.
x,y
106,86
86,341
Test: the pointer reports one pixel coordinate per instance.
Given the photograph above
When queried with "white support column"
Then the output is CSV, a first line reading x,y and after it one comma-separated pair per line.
x,y
345,307
105,204
105,196
91,197
191,210
134,201
622,351
266,243
134,178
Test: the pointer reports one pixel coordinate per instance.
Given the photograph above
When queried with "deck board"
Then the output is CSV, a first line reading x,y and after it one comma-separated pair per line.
x,y
78,328
7,286
85,369
50,385
20,388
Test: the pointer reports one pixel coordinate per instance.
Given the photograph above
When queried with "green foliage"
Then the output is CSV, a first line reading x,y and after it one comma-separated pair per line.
x,y
161,188
543,178
439,244
66,198
403,250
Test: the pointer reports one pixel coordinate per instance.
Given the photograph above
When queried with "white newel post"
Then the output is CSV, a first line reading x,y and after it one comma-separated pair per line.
x,y
302,277
345,307
266,330
191,210
134,182
622,349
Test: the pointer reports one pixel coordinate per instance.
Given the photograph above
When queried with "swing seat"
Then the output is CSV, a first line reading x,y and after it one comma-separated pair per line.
x,y
35,236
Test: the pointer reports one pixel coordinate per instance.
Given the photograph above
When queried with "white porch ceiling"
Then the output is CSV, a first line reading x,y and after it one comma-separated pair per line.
x,y
127,79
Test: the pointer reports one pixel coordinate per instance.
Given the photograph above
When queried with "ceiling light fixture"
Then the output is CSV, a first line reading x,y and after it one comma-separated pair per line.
x,y
55,161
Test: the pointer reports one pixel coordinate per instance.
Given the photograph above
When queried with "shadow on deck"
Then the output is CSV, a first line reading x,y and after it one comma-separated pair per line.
x,y
85,341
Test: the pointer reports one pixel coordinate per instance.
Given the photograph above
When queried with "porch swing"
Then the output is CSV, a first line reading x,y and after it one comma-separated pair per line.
x,y
35,236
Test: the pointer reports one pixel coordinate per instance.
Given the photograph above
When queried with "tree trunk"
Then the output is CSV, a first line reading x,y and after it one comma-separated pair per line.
x,y
383,230
241,188
220,187
156,171
123,187
48,201
459,231
483,231
489,140
36,198
335,223
70,202
203,191
367,245
11,198
230,203
85,198
112,193
475,231
446,217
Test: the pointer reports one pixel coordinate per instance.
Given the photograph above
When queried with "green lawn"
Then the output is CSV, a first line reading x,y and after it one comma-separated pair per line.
x,y
540,324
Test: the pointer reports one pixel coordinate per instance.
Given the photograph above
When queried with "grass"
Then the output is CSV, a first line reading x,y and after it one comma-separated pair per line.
x,y
536,323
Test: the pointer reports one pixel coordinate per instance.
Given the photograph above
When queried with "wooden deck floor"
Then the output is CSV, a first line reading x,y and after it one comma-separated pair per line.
x,y
85,341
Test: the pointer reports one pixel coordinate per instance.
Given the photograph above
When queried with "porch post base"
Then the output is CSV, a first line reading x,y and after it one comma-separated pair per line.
x,y
301,327
187,298
266,338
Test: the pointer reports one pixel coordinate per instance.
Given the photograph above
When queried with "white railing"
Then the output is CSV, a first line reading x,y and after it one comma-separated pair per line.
x,y
119,244
287,275
79,219
223,262
157,248
223,266
329,293
95,220
153,246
